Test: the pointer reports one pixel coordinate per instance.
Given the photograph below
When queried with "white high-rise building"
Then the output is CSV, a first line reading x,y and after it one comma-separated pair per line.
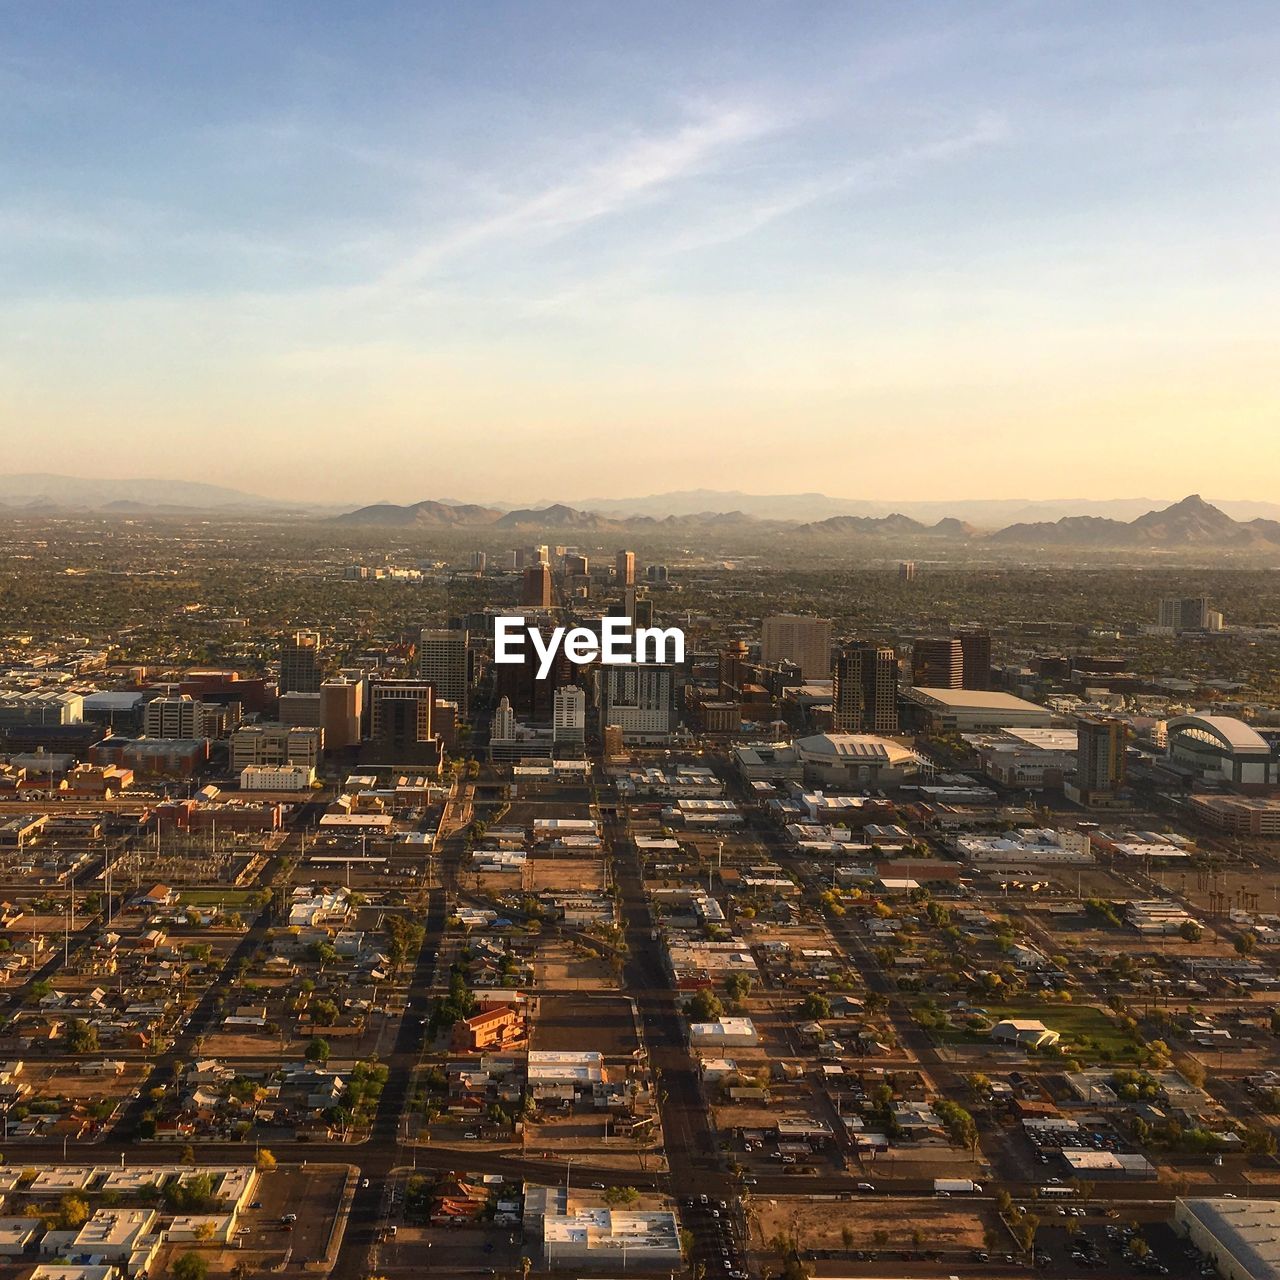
x,y
569,715
640,699
503,728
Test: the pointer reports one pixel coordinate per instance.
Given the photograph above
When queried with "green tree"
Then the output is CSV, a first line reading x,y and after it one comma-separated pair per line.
x,y
616,1197
190,1266
816,1006
81,1037
318,1050
705,1006
324,1013
72,1214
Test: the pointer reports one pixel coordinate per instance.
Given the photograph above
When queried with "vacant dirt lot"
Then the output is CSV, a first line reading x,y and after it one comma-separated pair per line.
x,y
603,1023
821,1224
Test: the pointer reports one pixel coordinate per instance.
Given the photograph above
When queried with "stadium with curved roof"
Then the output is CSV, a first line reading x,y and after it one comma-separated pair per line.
x,y
1223,748
855,760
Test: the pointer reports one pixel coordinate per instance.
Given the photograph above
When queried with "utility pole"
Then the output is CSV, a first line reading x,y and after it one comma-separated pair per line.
x,y
69,922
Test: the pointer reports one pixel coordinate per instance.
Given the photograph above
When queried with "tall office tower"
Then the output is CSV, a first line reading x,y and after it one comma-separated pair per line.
x,y
641,611
907,571
864,693
640,699
478,561
517,559
444,722
975,658
541,554
301,709
341,706
503,728
182,717
625,568
400,722
569,720
1189,613
937,662
444,660
577,566
734,669
300,663
789,637
532,698
535,589
1100,763
658,573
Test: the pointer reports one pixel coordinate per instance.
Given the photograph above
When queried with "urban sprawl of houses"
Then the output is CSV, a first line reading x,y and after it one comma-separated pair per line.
x,y
337,946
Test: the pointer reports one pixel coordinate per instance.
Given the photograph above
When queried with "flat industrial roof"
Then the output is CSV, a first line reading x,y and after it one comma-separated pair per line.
x,y
1248,1229
975,699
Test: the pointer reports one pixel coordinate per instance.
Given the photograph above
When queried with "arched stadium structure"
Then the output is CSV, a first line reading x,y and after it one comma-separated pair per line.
x,y
1222,747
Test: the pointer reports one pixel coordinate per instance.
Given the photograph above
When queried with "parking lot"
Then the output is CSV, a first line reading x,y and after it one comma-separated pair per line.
x,y
717,1240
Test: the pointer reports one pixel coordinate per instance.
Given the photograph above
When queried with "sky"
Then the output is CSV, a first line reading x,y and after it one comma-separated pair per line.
x,y
340,251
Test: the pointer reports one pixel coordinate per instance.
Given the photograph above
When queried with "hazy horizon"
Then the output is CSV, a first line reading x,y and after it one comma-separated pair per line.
x,y
186,490
1002,252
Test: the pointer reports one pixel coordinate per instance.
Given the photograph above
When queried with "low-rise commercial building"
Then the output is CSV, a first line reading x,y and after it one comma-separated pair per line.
x,y
1241,1238
973,710
266,777
1257,816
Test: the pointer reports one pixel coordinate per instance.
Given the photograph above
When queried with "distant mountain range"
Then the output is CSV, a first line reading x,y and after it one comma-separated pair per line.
x,y
1120,523
983,513
1191,523
38,492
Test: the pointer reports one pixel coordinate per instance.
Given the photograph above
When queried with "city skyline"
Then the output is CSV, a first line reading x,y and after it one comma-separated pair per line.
x,y
1023,251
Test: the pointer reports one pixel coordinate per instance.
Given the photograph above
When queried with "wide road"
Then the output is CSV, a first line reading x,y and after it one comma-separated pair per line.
x,y
691,1144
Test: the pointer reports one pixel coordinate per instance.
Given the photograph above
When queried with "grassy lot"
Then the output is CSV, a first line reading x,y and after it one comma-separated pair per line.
x,y
231,899
1075,1023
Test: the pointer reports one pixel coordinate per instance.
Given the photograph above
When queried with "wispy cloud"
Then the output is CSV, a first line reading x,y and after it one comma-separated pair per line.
x,y
637,171
746,217
23,226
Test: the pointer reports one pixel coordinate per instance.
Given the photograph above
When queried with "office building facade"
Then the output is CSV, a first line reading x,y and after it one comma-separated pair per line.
x,y
300,663
444,662
937,662
640,699
794,638
400,730
864,689
535,587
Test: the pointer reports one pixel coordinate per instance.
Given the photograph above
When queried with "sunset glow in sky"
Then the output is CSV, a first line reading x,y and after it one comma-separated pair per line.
x,y
549,250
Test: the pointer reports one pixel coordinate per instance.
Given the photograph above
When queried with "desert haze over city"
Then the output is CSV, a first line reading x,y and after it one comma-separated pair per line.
x,y
639,640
